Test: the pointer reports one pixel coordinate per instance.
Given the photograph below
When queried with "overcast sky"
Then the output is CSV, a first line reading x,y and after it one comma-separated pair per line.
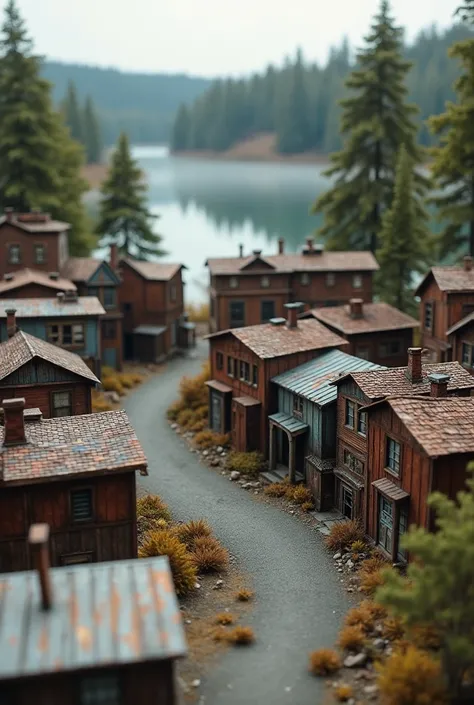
x,y
209,37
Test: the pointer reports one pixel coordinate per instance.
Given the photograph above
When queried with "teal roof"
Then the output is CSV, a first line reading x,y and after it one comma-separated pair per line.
x,y
289,422
312,379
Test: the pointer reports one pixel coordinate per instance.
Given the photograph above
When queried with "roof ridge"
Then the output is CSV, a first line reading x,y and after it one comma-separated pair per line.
x,y
28,344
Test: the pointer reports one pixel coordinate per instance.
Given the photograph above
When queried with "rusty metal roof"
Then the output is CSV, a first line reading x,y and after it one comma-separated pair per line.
x,y
103,614
289,423
295,262
52,308
375,317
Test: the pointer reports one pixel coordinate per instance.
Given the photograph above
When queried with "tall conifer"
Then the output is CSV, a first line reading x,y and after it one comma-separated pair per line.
x,y
181,129
376,120
124,216
293,121
92,135
72,114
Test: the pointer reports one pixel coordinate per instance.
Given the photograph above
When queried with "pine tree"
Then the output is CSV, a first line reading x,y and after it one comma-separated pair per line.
x,y
72,114
181,130
124,216
376,121
453,165
439,592
92,137
293,126
404,240
466,11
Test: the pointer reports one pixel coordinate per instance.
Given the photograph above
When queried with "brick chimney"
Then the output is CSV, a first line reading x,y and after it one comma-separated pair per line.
x,y
14,421
292,317
439,384
356,307
9,214
61,295
309,244
113,258
38,538
467,261
414,369
256,253
54,276
281,246
11,322
70,296
241,251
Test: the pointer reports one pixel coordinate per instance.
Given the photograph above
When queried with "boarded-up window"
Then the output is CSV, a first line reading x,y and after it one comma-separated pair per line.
x,y
81,504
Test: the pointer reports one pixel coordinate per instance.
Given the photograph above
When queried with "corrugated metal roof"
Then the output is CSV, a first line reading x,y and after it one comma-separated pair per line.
x,y
289,422
113,613
54,308
311,380
149,330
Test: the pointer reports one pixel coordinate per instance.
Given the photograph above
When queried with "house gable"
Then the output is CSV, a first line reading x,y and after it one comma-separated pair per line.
x,y
257,263
39,372
426,281
104,275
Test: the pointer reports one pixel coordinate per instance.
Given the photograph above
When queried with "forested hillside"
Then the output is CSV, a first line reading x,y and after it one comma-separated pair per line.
x,y
299,102
142,105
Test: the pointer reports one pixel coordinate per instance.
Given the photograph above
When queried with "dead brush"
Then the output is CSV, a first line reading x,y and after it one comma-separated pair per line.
x,y
224,619
244,595
208,555
343,692
299,494
211,439
324,662
164,543
307,506
276,489
241,636
411,677
370,582
151,508
352,638
343,534
393,628
192,530
362,615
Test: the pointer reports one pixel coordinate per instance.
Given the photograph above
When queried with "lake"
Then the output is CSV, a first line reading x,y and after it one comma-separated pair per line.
x,y
208,208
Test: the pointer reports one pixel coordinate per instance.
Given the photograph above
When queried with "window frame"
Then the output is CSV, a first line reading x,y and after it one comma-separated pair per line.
x,y
107,326
384,353
428,307
219,360
361,414
352,465
82,488
60,334
234,322
39,246
305,279
363,352
350,404
173,293
233,282
470,349
395,471
69,558
265,302
357,281
255,376
298,406
92,695
265,282
349,491
330,279
14,247
231,366
70,406
113,291
244,371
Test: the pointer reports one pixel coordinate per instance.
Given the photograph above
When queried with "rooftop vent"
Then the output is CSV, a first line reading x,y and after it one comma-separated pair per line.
x,y
54,276
257,253
38,539
293,310
439,384
467,261
356,307
311,248
241,251
278,321
34,216
9,276
70,295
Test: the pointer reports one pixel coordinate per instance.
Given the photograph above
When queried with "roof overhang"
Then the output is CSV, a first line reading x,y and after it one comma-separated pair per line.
x,y
293,426
390,490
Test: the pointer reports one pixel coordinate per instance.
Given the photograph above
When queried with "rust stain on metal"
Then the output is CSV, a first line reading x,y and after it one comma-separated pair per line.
x,y
98,615
13,640
43,641
132,639
57,664
73,611
163,579
84,638
164,637
114,609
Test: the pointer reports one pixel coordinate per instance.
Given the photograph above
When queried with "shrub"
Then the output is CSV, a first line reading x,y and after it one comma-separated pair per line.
x,y
185,417
246,463
373,564
307,506
378,611
197,426
100,403
151,507
209,555
393,628
210,439
299,494
276,489
343,534
343,692
193,390
352,637
126,380
411,678
241,636
192,530
174,410
358,546
224,618
363,615
220,634
244,595
112,384
164,543
323,662
370,582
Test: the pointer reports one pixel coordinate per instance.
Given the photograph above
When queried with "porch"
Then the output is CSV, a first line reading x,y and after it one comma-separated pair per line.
x,y
287,446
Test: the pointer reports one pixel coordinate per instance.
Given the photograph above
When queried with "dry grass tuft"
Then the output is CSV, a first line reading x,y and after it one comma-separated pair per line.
x,y
370,582
343,692
276,489
411,677
244,595
299,494
241,636
374,564
425,637
113,384
352,637
192,530
208,555
246,463
344,534
365,615
100,403
324,662
164,543
225,618
307,506
210,439
359,546
393,628
152,508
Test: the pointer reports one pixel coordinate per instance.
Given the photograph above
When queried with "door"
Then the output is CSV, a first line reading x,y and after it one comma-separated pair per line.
x,y
283,457
385,528
347,502
216,412
239,440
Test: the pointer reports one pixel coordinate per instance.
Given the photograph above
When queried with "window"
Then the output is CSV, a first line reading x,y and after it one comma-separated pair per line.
x,y
350,413
66,334
362,352
230,366
330,279
267,310
353,463
219,361
255,375
390,348
402,529
265,282
110,297
173,292
428,317
233,283
347,502
81,505
297,405
357,281
362,423
304,279
93,291
237,314
100,690
62,404
466,354
393,456
40,254
385,537
14,254
76,558
244,372
109,330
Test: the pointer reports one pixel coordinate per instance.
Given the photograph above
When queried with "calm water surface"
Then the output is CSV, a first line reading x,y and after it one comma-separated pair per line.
x,y
207,208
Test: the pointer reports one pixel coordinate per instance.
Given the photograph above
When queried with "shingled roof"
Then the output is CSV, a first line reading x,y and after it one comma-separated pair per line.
x,y
80,269
41,223
154,271
72,445
23,347
441,425
268,340
23,277
449,279
52,308
461,324
375,317
286,263
378,384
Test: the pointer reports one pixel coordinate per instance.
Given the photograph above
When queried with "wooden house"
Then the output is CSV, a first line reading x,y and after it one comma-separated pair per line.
x,y
244,360
416,446
33,240
461,342
447,297
302,440
96,277
32,284
85,635
152,302
252,289
75,472
375,331
359,389
68,321
56,381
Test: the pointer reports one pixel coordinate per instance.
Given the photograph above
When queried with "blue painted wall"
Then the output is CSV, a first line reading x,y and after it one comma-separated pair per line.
x,y
321,436
37,327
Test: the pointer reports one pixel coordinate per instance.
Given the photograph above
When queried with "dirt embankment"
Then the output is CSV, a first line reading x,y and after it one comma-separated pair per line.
x,y
261,148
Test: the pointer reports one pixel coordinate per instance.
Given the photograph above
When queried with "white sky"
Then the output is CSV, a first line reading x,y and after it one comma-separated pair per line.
x,y
209,37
